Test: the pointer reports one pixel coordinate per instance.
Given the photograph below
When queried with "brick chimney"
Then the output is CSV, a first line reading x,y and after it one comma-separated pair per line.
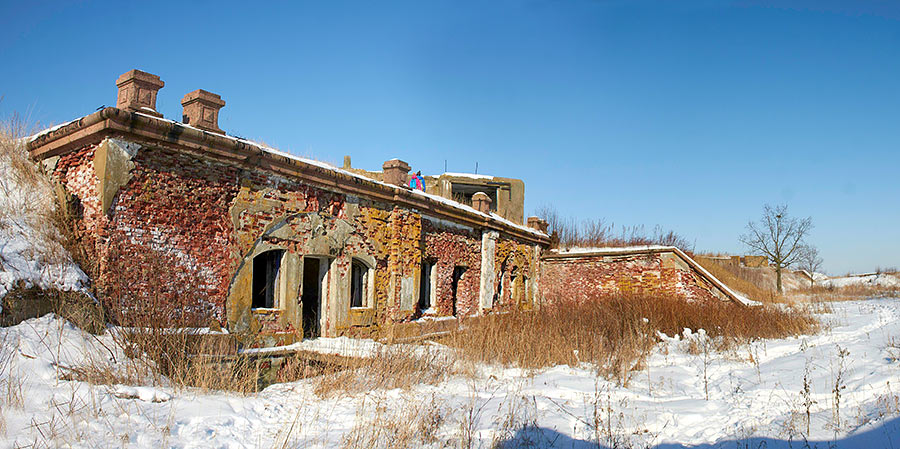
x,y
137,92
201,110
537,223
481,202
395,172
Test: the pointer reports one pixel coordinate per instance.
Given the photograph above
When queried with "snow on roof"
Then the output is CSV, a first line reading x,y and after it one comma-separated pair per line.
x,y
611,249
33,137
330,167
333,168
468,175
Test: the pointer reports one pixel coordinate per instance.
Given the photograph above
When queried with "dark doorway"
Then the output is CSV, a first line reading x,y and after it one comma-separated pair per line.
x,y
425,286
313,274
454,285
265,277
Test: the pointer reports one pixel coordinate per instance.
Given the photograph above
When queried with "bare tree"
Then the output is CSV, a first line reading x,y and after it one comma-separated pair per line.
x,y
779,237
810,261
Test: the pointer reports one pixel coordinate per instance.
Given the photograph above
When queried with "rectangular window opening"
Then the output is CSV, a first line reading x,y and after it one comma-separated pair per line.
x,y
359,284
462,193
266,267
426,287
458,272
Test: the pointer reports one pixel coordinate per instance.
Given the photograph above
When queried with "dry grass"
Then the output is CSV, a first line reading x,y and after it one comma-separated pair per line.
x,y
390,367
380,425
23,302
27,195
568,232
616,333
848,293
748,281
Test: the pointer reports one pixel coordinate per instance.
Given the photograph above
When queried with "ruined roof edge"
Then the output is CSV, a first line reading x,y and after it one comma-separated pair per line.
x,y
573,253
68,136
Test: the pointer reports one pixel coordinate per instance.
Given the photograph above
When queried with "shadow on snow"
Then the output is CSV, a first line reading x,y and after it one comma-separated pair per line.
x,y
885,435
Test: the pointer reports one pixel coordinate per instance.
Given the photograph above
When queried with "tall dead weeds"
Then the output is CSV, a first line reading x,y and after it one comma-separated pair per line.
x,y
616,333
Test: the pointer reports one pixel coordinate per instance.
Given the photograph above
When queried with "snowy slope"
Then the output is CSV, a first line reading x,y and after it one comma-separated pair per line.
x,y
751,403
863,280
29,244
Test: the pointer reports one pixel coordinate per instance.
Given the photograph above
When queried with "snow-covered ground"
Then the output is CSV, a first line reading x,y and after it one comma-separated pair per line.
x,y
887,280
757,397
29,249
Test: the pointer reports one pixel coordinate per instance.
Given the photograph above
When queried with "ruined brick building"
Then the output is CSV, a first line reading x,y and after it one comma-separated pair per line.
x,y
277,248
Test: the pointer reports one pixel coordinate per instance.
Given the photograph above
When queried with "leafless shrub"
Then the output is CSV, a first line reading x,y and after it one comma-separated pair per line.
x,y
838,373
806,396
165,329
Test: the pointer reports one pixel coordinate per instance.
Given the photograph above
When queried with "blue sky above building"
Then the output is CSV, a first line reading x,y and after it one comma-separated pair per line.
x,y
690,115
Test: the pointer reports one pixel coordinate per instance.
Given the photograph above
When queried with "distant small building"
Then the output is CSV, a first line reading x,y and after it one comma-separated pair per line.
x,y
507,195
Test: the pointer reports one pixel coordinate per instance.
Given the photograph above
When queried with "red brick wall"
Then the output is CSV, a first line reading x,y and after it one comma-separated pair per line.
x,y
450,247
586,278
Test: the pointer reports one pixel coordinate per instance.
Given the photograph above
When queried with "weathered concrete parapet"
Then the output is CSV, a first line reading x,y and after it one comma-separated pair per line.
x,y
201,110
137,92
395,172
113,165
481,202
538,224
488,275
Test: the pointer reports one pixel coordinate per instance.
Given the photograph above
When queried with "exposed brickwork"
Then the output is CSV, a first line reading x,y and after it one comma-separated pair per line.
x,y
177,207
184,226
586,278
449,248
75,171
514,267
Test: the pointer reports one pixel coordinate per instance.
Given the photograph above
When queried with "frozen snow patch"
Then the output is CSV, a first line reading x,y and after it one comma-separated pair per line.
x,y
146,394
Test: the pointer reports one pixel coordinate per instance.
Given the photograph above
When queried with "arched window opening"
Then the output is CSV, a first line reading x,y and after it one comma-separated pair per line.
x,y
266,268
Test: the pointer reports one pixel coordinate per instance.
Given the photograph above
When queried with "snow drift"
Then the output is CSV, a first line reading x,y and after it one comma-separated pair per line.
x,y
30,250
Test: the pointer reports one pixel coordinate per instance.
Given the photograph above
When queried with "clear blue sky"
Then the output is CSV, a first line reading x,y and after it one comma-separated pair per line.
x,y
690,115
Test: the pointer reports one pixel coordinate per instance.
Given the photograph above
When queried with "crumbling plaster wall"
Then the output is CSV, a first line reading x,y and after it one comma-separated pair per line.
x,y
201,223
589,277
450,246
517,269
